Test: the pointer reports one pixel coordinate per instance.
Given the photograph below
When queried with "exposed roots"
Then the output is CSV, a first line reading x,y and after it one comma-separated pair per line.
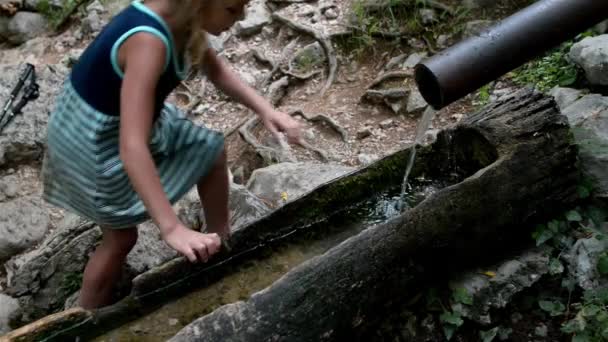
x,y
323,40
387,76
324,118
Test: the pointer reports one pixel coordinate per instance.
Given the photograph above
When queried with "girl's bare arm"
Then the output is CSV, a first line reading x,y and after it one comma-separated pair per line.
x,y
143,58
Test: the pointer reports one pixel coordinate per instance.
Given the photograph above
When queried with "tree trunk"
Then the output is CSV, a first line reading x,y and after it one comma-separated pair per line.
x,y
531,172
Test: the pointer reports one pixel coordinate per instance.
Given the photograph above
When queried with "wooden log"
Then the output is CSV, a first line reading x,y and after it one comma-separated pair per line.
x,y
531,174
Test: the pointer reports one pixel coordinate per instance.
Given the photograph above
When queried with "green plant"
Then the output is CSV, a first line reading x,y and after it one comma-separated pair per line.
x,y
71,283
56,14
552,69
591,320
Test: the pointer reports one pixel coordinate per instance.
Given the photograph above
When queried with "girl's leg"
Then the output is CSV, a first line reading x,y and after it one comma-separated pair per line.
x,y
104,267
213,192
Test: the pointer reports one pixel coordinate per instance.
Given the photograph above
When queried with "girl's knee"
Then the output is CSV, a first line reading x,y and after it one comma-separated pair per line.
x,y
121,240
221,159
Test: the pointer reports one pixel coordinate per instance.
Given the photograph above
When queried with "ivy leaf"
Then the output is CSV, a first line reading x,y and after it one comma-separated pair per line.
x,y
583,192
555,267
602,264
504,333
461,295
542,234
449,331
453,318
554,308
488,336
581,338
574,216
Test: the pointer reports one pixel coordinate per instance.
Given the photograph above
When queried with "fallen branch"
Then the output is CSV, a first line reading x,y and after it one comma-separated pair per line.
x,y
322,39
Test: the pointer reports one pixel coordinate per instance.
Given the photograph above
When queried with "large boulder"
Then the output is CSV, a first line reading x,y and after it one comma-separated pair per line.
x,y
23,140
22,27
23,223
591,54
9,308
287,181
256,16
588,117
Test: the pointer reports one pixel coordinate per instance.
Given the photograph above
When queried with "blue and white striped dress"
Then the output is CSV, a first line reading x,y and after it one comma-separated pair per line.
x,y
82,169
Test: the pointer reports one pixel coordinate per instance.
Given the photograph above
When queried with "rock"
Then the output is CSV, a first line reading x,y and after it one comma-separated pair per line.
x,y
565,96
588,117
149,251
476,27
23,223
602,27
414,59
331,13
364,133
71,57
92,23
309,134
308,57
238,176
288,181
245,207
96,6
23,140
415,102
582,262
22,27
443,41
541,330
512,276
215,42
366,159
8,187
591,54
428,16
474,4
9,308
44,278
395,61
257,15
388,123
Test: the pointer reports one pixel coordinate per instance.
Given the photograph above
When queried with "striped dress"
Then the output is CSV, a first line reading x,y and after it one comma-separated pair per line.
x,y
82,169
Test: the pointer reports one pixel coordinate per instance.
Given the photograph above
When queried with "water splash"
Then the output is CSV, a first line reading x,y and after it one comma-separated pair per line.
x,y
421,129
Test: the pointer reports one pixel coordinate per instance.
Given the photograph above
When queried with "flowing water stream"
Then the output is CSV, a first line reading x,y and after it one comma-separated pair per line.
x,y
421,129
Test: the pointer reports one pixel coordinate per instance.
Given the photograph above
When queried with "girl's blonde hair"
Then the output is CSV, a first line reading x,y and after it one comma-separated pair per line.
x,y
188,17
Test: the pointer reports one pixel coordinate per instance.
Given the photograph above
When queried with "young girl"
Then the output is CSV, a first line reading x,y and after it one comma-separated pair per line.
x,y
119,155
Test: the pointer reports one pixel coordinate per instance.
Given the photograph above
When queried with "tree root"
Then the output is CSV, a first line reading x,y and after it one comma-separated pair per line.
x,y
323,40
324,118
389,75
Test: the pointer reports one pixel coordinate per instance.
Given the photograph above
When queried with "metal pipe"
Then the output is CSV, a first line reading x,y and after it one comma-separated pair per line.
x,y
465,67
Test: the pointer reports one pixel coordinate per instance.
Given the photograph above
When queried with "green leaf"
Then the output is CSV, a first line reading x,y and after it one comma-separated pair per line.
x,y
504,333
542,236
572,326
605,333
449,331
590,310
574,216
555,266
568,283
554,308
583,192
453,318
602,264
553,226
488,336
461,295
582,337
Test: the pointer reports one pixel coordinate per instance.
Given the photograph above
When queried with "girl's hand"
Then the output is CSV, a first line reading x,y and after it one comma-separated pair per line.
x,y
192,244
277,121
